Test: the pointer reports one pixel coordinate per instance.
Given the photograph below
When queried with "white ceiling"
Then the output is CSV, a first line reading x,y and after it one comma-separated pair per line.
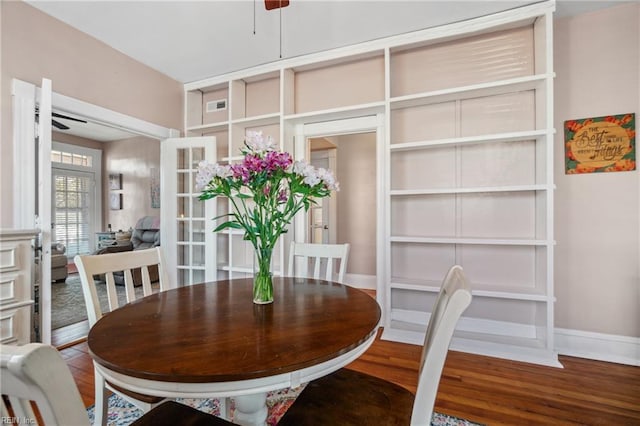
x,y
90,130
193,40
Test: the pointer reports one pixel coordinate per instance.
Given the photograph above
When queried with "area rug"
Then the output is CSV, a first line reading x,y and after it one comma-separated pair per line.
x,y
67,300
122,413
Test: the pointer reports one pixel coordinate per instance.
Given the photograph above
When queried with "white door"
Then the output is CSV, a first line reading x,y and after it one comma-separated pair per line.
x,y
187,237
73,208
43,221
322,230
32,188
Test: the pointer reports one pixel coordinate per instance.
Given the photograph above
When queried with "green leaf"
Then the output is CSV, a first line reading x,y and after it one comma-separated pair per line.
x,y
226,225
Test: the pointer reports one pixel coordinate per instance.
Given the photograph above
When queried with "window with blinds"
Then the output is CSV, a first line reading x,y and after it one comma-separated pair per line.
x,y
72,210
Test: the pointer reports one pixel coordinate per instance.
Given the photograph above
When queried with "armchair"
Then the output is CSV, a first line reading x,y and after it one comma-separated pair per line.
x,y
58,262
146,234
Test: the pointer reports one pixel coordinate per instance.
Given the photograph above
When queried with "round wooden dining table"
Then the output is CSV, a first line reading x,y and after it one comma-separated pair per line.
x,y
210,340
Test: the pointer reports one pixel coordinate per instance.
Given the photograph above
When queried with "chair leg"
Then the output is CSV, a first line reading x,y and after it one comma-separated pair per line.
x,y
100,410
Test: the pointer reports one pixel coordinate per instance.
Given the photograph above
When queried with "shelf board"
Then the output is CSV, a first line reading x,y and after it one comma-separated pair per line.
x,y
260,120
470,140
434,287
210,127
469,190
336,113
512,348
468,92
244,269
476,241
191,267
232,232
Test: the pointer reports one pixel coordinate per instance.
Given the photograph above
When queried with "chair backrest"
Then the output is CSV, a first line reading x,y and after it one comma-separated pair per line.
x,y
107,264
319,255
36,372
453,299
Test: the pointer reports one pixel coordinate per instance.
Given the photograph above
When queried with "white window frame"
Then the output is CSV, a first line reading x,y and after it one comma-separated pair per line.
x,y
96,169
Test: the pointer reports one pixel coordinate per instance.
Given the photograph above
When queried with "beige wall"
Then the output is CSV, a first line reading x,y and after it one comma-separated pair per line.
x,y
134,158
356,172
76,140
596,216
34,45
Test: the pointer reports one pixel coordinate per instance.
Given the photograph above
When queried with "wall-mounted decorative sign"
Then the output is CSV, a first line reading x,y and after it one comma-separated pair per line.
x,y
115,181
115,201
600,144
155,188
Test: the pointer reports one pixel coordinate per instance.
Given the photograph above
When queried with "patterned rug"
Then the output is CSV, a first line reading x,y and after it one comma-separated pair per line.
x,y
121,413
67,300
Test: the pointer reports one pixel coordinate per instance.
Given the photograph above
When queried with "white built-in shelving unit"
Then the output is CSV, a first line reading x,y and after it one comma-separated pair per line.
x,y
467,165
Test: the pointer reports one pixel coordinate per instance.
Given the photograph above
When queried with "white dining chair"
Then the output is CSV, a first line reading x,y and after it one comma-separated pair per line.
x,y
36,376
106,264
319,256
348,397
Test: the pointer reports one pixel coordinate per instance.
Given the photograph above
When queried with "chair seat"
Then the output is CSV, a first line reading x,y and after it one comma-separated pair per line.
x,y
362,400
171,413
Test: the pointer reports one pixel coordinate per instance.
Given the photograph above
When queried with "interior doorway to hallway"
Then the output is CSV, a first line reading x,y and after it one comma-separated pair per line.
x,y
359,147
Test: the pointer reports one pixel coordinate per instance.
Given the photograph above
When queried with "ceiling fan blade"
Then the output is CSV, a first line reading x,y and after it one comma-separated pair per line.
x,y
275,4
59,125
66,117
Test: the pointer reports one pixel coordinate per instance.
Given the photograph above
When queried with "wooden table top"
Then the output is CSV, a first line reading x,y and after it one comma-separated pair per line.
x,y
213,332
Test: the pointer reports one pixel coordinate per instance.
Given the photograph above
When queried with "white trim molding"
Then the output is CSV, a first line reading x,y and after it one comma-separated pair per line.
x,y
598,346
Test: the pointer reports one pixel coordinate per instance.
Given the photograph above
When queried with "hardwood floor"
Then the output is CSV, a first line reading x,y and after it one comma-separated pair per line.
x,y
483,389
69,335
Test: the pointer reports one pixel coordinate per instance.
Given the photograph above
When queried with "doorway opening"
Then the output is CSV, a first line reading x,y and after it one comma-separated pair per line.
x,y
353,150
30,209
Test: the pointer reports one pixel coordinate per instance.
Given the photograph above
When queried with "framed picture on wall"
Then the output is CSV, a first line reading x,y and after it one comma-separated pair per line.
x,y
115,201
600,144
155,188
115,181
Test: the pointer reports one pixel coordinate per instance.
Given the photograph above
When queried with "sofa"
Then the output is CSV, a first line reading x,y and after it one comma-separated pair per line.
x,y
145,235
58,262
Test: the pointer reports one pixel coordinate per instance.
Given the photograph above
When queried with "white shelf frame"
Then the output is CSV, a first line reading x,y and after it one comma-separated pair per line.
x,y
539,15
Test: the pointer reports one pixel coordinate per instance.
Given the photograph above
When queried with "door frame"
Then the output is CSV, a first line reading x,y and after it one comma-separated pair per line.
x,y
365,124
25,97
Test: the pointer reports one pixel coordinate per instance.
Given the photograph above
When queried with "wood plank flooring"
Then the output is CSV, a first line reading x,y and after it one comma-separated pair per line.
x,y
486,390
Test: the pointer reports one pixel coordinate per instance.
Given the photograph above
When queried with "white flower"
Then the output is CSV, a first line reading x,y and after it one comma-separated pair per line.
x,y
312,180
313,176
223,171
208,171
299,166
257,143
328,179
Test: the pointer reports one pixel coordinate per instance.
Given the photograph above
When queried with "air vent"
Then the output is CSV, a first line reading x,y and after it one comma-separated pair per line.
x,y
219,105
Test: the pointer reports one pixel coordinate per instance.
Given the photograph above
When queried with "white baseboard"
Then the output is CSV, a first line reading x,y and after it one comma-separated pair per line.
x,y
598,346
368,282
581,344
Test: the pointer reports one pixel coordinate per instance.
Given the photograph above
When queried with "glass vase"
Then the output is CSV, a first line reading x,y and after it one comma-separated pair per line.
x,y
263,279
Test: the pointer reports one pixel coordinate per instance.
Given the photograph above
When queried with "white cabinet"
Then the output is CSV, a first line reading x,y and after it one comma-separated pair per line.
x,y
16,285
467,165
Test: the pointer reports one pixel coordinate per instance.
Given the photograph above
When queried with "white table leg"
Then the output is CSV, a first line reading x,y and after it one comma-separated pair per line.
x,y
251,410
